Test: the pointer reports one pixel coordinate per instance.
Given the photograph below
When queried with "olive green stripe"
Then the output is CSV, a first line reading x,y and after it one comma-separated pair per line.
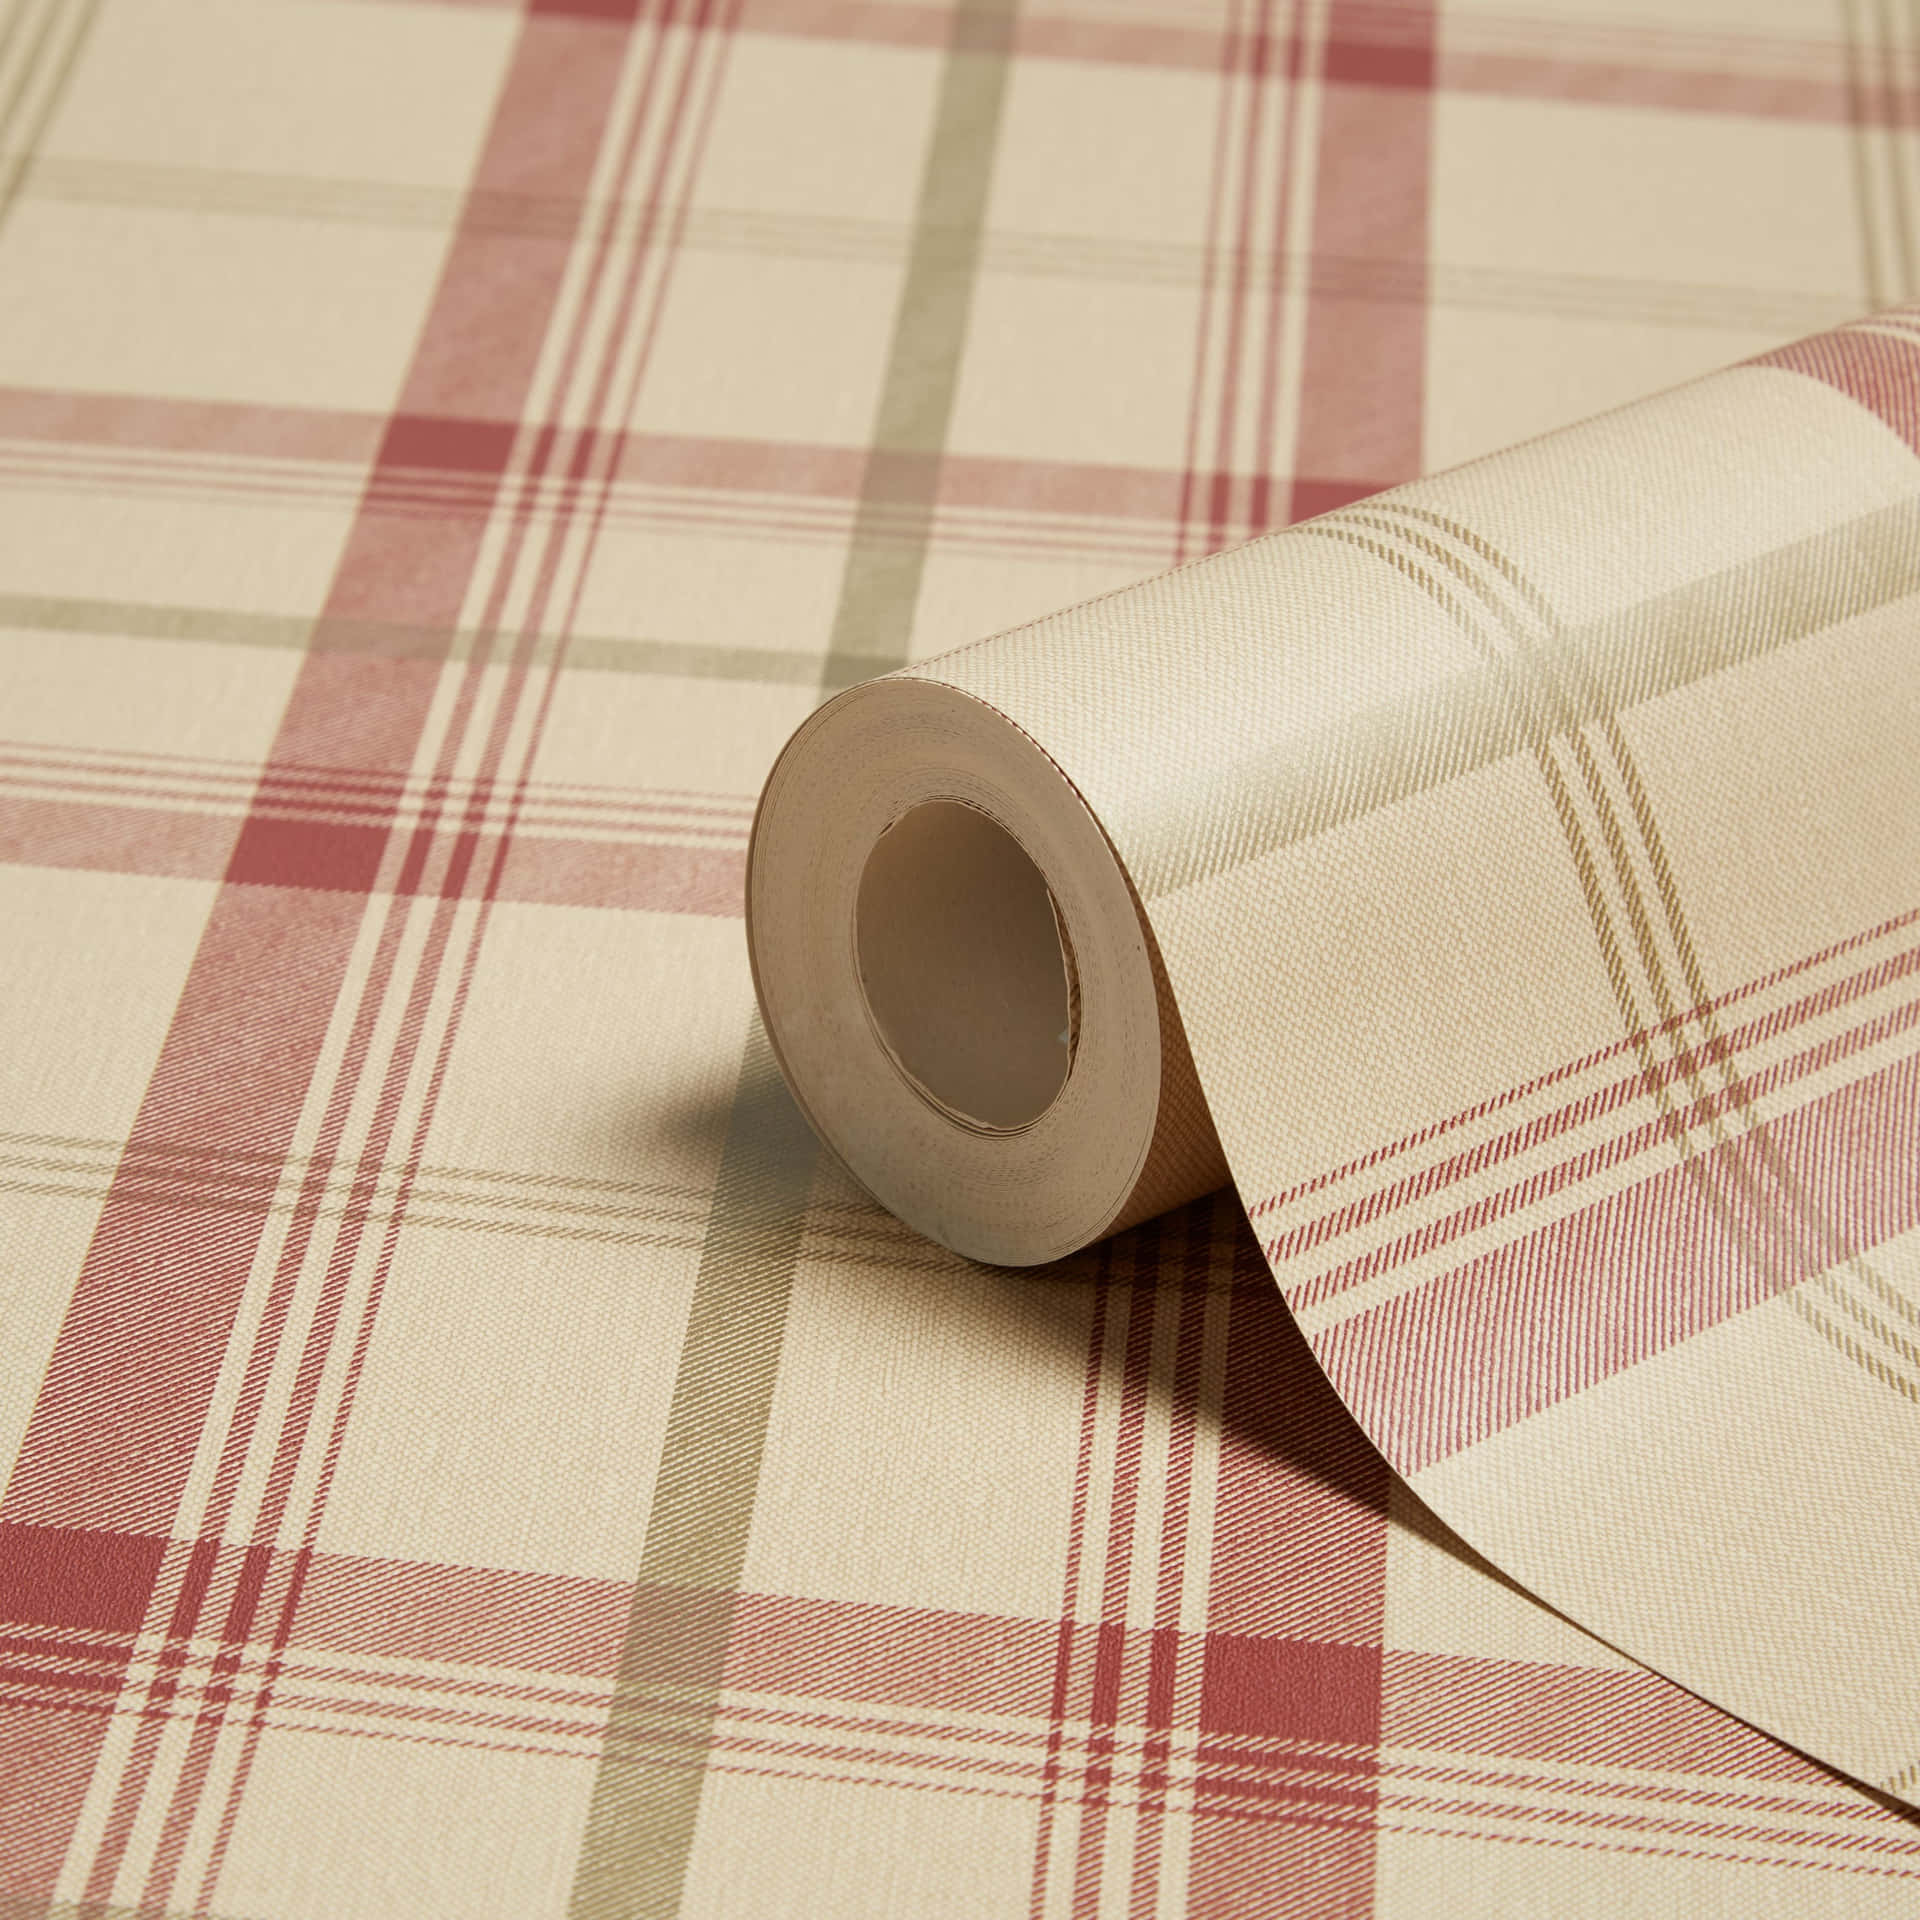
x,y
1453,727
1893,138
17,162
1861,147
646,1796
646,1792
792,235
216,626
880,588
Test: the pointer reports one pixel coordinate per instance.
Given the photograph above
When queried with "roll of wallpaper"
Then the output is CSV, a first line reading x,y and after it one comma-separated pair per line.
x,y
1512,883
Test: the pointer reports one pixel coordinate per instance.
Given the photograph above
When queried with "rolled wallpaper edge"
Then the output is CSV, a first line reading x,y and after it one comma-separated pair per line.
x,y
1529,858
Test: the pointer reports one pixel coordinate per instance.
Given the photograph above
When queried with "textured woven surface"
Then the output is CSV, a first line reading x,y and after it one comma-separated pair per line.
x,y
469,1454
1540,909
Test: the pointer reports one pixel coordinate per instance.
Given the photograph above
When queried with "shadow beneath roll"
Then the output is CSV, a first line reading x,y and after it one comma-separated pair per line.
x,y
1206,1427
1275,1401
1140,1308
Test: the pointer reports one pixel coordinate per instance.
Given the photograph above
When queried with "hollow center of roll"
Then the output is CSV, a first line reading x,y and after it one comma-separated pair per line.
x,y
965,966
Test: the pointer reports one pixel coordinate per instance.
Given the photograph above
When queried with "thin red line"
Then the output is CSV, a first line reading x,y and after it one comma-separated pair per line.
x,y
1722,1053
494,752
360,780
577,817
1066,1627
237,1626
1165,1654
1742,1259
345,1253
1013,487
1004,531
1609,1155
1631,1043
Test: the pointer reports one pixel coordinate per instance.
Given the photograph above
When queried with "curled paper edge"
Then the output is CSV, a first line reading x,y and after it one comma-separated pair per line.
x,y
1573,1252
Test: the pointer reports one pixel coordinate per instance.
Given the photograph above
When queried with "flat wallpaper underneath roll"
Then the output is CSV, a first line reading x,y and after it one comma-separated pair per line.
x,y
1513,879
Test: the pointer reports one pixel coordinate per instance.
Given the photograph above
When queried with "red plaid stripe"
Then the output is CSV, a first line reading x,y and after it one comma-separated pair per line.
x,y
1219,1702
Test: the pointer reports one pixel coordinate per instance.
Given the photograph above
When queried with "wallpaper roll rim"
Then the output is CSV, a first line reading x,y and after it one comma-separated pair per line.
x,y
1127,1137
1592,1170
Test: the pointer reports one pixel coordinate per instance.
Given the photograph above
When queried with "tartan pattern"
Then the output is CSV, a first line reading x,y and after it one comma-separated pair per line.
x,y
1546,880
468,1452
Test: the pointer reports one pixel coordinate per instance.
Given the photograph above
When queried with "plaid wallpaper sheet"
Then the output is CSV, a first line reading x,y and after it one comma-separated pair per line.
x,y
467,1452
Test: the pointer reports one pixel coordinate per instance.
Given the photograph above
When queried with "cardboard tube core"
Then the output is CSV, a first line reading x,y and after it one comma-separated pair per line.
x,y
964,966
